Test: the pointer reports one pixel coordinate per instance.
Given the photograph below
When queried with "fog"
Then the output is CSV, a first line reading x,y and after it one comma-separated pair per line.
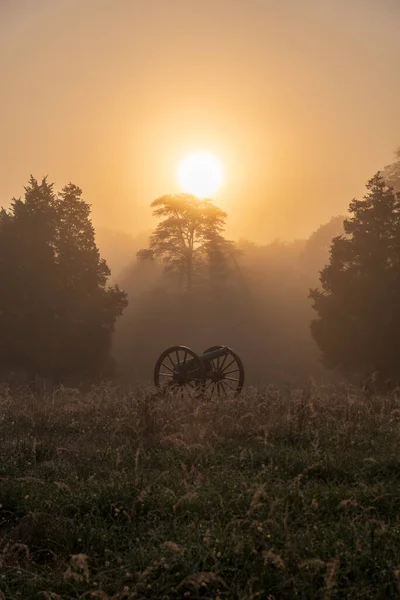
x,y
262,312
299,102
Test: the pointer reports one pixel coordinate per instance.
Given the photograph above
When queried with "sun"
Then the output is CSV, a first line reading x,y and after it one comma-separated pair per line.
x,y
201,174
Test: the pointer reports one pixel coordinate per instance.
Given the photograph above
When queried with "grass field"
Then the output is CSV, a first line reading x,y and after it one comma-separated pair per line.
x,y
285,494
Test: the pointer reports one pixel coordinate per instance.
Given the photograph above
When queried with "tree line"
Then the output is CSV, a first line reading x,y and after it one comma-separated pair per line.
x,y
325,305
191,285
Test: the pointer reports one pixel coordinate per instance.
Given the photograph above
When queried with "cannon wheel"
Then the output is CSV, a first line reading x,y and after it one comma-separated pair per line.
x,y
231,372
166,373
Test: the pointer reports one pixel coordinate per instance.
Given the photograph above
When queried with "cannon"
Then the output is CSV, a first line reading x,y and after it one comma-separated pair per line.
x,y
218,370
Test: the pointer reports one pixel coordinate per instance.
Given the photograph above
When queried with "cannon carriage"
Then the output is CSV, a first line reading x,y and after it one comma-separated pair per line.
x,y
218,370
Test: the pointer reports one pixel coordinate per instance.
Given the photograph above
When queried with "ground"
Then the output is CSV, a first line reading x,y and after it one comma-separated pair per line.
x,y
280,494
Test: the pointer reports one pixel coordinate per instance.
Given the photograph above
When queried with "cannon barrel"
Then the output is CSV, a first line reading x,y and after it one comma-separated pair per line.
x,y
204,357
214,353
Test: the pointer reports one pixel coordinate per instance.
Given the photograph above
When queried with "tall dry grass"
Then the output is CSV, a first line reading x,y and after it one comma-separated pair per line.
x,y
282,493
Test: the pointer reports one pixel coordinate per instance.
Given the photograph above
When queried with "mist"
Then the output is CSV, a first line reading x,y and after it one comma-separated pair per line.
x,y
263,311
199,299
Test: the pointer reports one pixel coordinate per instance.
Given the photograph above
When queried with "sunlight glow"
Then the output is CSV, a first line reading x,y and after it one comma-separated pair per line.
x,y
201,174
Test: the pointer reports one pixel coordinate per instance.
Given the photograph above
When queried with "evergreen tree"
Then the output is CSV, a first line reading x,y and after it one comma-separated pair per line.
x,y
358,325
56,312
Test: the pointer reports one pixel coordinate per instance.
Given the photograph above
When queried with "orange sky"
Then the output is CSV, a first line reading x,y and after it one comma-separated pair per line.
x,y
299,98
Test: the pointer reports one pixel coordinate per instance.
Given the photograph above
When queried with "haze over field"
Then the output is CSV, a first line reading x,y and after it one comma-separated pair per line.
x,y
299,100
199,299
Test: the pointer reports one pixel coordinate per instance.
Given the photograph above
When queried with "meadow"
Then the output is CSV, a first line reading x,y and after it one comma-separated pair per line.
x,y
283,493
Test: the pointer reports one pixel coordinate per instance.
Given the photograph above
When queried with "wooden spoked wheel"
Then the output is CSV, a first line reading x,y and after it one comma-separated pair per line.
x,y
224,375
179,367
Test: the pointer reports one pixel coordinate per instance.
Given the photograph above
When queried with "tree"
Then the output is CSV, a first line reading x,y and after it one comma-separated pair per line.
x,y
392,172
145,254
57,314
358,325
221,258
315,254
190,230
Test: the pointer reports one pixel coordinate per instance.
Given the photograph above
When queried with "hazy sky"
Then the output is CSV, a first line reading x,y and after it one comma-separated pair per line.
x,y
299,98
